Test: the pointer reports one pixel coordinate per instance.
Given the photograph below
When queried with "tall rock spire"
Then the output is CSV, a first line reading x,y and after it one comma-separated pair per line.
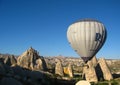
x,y
30,59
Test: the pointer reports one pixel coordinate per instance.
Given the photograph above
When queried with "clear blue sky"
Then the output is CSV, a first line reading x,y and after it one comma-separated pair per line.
x,y
43,24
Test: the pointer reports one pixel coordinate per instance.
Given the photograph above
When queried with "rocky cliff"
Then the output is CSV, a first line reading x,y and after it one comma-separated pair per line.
x,y
30,59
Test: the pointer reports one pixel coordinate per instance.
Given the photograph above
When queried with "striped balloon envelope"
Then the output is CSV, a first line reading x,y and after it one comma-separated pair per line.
x,y
86,37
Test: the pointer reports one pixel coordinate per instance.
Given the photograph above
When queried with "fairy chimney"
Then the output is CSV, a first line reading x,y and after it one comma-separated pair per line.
x,y
68,70
30,59
90,72
105,69
59,68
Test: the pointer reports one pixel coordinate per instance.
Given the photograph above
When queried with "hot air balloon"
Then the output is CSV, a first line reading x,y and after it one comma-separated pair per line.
x,y
86,37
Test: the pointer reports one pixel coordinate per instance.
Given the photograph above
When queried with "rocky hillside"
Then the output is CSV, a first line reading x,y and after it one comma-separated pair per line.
x,y
32,69
31,59
26,69
77,63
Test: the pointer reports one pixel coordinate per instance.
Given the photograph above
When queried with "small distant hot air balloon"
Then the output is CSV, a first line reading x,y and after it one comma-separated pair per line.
x,y
86,37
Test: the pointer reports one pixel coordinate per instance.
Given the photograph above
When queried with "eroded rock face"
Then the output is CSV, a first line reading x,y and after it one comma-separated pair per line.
x,y
8,59
39,64
59,68
16,75
90,72
68,70
30,59
105,69
94,61
97,70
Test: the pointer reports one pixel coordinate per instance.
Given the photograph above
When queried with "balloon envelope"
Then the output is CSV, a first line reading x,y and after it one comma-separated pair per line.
x,y
86,37
82,82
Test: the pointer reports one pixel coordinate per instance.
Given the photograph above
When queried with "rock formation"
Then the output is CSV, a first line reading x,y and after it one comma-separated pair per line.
x,y
15,75
29,68
30,59
105,69
8,59
59,68
68,70
97,70
94,61
90,72
39,64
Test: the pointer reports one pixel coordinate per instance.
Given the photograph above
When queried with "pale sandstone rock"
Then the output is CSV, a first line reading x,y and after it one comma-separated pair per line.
x,y
30,59
105,69
90,74
94,61
68,70
10,60
39,64
59,68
